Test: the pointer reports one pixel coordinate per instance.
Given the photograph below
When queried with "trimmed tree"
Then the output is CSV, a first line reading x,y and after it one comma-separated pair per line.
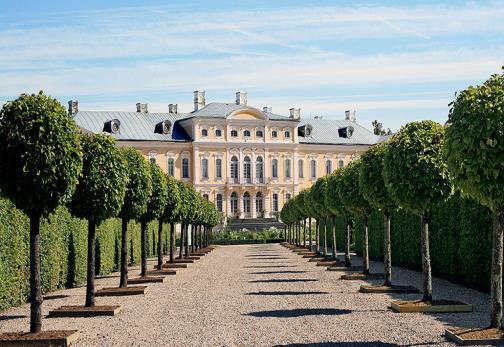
x,y
354,201
99,193
310,213
170,216
417,178
474,150
318,201
333,202
138,192
337,185
40,162
372,187
182,214
155,207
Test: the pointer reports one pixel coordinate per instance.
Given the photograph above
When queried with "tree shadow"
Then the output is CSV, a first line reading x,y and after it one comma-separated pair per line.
x,y
268,266
262,255
267,258
299,312
285,280
12,317
55,297
278,293
345,344
278,272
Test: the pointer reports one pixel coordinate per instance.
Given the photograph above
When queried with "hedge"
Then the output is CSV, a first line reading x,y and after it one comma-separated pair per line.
x,y
63,251
460,241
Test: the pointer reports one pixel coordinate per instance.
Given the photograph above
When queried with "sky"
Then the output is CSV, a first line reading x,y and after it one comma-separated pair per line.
x,y
394,61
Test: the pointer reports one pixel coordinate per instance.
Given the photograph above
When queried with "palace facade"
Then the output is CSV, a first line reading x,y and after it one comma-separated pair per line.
x,y
246,160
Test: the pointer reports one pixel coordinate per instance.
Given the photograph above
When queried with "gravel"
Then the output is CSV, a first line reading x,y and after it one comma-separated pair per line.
x,y
243,295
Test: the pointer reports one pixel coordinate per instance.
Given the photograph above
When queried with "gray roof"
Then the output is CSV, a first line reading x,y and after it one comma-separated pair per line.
x,y
326,131
222,110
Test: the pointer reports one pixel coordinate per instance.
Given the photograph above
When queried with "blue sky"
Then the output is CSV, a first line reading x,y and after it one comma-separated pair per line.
x,y
395,61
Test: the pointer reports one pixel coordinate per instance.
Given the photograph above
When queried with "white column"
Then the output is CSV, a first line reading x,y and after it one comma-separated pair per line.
x,y
228,203
240,166
196,164
252,167
295,188
266,203
240,205
253,205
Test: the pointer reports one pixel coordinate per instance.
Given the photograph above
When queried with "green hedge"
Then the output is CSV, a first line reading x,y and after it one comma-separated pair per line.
x,y
460,241
63,251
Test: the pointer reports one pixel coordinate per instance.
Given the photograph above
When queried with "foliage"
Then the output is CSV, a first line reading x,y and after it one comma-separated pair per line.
x,y
474,145
139,187
371,182
100,191
158,199
317,197
378,128
332,197
349,191
40,158
173,201
263,235
414,171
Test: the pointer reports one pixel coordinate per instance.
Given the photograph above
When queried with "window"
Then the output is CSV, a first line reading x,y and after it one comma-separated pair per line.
x,y
341,163
287,196
287,168
218,168
328,167
246,203
259,170
275,202
218,133
204,168
234,169
274,134
234,133
259,202
234,202
287,134
204,132
152,160
246,133
313,168
274,168
185,168
259,133
300,168
218,202
171,167
246,170
205,196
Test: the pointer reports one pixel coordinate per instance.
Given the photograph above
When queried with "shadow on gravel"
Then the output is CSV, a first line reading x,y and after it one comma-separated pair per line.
x,y
12,317
263,255
54,297
285,280
266,266
269,258
299,312
287,293
278,272
336,344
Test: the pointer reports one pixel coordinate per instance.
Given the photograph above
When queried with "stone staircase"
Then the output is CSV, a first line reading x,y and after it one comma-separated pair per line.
x,y
255,224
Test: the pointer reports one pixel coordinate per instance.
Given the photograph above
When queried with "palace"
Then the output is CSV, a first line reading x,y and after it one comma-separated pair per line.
x,y
248,161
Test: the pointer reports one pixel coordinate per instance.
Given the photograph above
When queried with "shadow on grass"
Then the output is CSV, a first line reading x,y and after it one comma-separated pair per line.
x,y
299,312
277,293
278,272
285,280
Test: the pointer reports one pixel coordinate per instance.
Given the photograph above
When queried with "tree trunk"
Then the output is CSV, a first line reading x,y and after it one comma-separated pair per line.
x,y
181,247
172,241
387,249
90,292
143,246
426,263
496,279
304,233
186,239
365,247
193,237
310,234
317,235
160,245
324,228
333,228
123,283
348,261
35,281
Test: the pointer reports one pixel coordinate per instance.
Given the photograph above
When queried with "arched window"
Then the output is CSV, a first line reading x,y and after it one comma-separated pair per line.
x,y
234,169
218,133
205,196
287,168
275,202
259,202
274,134
246,170
287,134
218,202
246,203
246,133
185,168
204,168
234,133
171,167
313,168
218,168
204,132
259,133
259,170
234,202
300,168
274,168
328,167
341,163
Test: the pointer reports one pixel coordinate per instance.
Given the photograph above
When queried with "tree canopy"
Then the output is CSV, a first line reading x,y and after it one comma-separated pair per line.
x,y
332,197
317,197
349,191
173,201
157,201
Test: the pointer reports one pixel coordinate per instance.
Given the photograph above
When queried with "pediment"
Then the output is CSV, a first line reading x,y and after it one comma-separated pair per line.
x,y
247,114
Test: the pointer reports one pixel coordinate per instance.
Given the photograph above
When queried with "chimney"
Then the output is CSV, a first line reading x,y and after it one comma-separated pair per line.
x,y
173,108
295,113
142,107
241,98
199,100
73,107
267,109
351,116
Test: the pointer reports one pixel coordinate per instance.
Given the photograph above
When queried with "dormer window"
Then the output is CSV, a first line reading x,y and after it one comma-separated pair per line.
x,y
259,133
274,134
346,132
218,133
234,133
112,126
204,132
163,127
305,130
246,133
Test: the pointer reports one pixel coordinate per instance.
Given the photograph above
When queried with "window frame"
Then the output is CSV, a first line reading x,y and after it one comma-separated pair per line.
x,y
185,168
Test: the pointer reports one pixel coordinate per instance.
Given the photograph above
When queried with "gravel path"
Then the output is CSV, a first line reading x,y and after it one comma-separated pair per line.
x,y
258,295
